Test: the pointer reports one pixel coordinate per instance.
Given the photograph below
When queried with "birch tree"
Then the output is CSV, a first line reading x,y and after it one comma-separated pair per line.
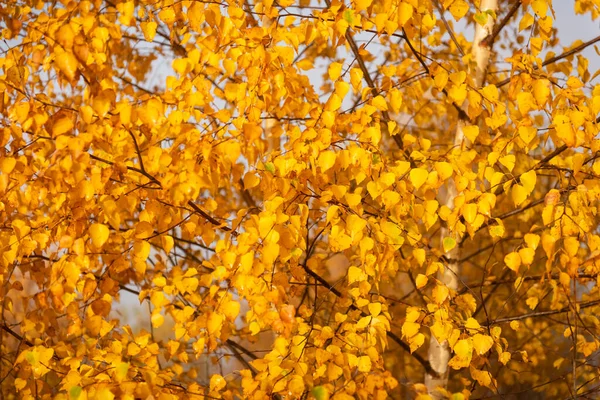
x,y
312,199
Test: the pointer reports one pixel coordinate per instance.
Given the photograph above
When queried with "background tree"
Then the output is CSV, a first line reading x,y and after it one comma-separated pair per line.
x,y
338,200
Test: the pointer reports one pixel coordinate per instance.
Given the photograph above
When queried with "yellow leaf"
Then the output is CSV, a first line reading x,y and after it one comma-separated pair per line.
x,y
121,371
143,230
217,382
196,16
334,71
390,198
540,7
532,240
571,245
471,132
419,255
320,393
254,328
418,176
67,64
564,129
393,232
532,302
448,244
342,88
167,15
514,325
353,199
440,293
444,170
152,112
513,261
141,250
526,255
364,364
519,194
251,180
149,30
20,383
360,5
458,93
379,102
497,231
416,341
558,362
469,211
541,91
214,323
356,76
62,126
101,104
440,79
548,242
374,309
409,329
395,97
463,348
65,36
296,386
104,394
565,280
508,161
8,164
356,274
364,322
333,103
526,102
326,160
528,180
504,358
482,343
490,92
526,21
342,25
459,9
484,378
527,133
405,13
552,197
99,234
157,320
231,310
158,299
412,314
421,281
472,325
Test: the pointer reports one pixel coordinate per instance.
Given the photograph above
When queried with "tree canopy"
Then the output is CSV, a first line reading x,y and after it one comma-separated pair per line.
x,y
310,199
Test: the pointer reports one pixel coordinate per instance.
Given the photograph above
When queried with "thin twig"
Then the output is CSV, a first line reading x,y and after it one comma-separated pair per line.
x,y
544,313
370,82
447,25
559,57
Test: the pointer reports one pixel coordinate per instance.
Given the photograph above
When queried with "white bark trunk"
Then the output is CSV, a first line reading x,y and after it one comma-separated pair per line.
x,y
439,353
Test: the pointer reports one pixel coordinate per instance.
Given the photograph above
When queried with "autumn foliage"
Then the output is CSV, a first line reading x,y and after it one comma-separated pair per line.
x,y
298,199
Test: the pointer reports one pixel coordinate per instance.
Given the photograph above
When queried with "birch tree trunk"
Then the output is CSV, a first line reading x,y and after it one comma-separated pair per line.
x,y
439,353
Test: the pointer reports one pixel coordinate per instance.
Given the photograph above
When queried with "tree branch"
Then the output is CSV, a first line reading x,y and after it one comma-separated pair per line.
x,y
559,57
426,365
211,219
370,83
543,313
